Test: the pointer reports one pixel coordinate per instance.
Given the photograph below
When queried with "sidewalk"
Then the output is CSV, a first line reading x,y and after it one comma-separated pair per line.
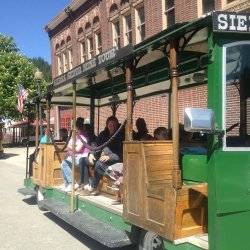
x,y
16,155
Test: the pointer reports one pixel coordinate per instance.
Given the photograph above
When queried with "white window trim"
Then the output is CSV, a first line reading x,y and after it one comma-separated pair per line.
x,y
70,59
137,25
88,48
65,61
59,64
224,70
116,37
125,31
165,13
84,56
96,42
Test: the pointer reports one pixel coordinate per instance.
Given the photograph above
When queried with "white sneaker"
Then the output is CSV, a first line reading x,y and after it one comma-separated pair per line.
x,y
68,188
62,187
88,188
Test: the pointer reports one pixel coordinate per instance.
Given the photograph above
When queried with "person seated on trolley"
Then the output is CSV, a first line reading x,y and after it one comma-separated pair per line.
x,y
162,133
192,143
109,155
63,134
142,131
80,152
84,162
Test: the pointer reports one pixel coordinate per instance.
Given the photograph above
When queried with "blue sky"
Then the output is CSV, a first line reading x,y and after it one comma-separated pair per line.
x,y
25,20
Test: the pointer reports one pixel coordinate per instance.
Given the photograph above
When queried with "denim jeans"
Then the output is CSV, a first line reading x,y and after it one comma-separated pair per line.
x,y
100,168
84,170
66,166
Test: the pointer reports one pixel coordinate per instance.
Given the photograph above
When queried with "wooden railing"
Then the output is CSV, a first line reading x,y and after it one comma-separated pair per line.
x,y
150,199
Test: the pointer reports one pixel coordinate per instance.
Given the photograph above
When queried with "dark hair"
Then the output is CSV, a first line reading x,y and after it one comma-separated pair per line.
x,y
141,125
111,118
89,132
80,123
164,132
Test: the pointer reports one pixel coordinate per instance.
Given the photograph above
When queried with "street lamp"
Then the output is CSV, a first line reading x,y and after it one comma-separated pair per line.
x,y
38,79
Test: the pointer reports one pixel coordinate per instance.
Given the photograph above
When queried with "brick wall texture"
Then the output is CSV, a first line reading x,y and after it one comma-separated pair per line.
x,y
153,109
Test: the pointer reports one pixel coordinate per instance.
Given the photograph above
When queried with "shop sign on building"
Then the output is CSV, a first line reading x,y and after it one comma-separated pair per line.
x,y
92,65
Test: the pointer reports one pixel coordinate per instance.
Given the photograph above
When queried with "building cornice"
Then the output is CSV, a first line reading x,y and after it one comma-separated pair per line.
x,y
238,6
63,15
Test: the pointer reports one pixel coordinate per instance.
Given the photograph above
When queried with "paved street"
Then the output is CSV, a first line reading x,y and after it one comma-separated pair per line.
x,y
22,224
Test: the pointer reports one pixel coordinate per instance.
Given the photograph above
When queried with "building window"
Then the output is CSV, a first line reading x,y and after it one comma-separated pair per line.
x,y
128,29
140,24
96,22
59,64
90,48
169,13
65,62
70,59
207,6
88,27
116,33
98,39
83,52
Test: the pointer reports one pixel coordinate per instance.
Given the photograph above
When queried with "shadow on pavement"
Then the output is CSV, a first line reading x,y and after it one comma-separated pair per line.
x,y
7,155
83,238
30,200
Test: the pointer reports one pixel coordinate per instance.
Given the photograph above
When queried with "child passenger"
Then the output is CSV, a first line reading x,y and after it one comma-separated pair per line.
x,y
80,152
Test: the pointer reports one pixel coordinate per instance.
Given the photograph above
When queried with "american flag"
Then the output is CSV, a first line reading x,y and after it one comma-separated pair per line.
x,y
21,97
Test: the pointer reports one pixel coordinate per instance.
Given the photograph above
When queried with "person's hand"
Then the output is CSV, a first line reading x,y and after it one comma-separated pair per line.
x,y
104,158
91,159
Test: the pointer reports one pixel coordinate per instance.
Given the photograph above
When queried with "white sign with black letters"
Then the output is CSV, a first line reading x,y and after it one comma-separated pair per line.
x,y
231,22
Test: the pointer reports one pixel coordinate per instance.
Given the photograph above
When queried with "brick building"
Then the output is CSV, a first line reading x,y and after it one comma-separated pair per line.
x,y
88,27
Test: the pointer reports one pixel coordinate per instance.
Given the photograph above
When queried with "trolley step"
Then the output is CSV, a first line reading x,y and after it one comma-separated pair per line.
x,y
26,191
95,229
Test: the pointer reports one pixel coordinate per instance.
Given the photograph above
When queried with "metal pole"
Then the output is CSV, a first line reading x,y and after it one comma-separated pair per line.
x,y
27,145
37,123
129,124
72,201
48,103
92,110
177,182
40,108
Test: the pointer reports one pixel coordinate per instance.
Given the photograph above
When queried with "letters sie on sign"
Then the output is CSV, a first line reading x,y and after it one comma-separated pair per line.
x,y
231,22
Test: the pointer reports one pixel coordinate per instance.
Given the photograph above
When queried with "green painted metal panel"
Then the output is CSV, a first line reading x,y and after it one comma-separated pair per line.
x,y
194,168
28,183
228,171
232,181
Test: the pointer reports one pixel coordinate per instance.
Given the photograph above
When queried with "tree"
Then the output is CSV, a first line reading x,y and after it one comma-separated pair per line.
x,y
14,69
44,67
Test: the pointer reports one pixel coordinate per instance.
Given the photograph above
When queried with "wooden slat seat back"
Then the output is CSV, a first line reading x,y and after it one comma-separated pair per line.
x,y
150,201
46,169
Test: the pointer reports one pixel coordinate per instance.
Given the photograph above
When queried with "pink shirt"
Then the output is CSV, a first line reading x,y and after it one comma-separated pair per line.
x,y
83,152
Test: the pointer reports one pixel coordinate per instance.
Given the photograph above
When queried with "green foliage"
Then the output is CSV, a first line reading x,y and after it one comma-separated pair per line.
x,y
7,44
44,67
14,69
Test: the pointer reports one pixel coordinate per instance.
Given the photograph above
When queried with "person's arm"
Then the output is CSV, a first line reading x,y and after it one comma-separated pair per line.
x,y
109,155
69,147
